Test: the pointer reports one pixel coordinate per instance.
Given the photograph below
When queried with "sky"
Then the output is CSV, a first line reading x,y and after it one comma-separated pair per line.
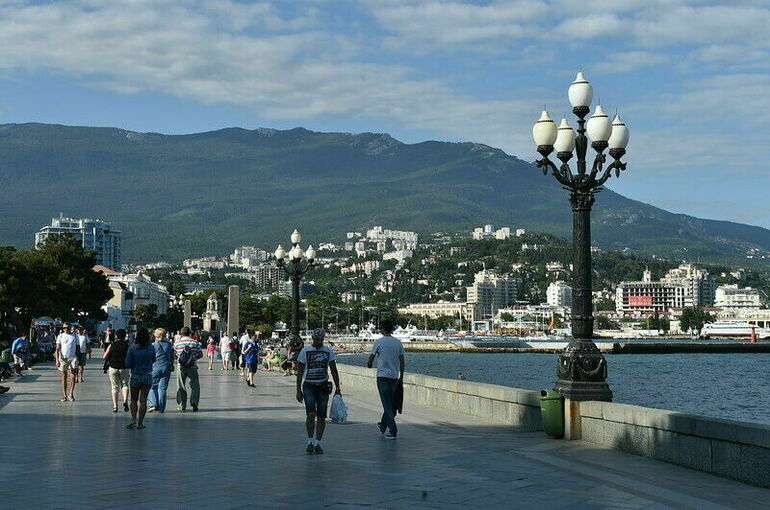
x,y
691,78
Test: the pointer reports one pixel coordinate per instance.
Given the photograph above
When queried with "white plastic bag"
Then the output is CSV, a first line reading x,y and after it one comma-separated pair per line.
x,y
339,412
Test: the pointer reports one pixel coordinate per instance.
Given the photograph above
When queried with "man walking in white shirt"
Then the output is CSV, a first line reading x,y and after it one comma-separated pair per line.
x,y
388,352
67,361
224,350
84,350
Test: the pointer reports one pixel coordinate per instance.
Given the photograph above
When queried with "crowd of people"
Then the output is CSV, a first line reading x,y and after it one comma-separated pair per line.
x,y
139,369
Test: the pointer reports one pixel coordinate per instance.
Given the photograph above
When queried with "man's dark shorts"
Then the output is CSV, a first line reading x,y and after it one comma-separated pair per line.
x,y
253,367
316,398
82,358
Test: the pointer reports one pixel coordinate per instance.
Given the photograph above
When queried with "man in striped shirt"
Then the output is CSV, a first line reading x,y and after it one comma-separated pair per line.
x,y
187,351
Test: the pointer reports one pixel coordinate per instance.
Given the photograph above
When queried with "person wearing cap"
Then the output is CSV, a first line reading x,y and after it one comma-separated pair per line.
x,y
313,388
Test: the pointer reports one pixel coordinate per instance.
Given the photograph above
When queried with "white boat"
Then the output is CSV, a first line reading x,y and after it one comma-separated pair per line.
x,y
733,329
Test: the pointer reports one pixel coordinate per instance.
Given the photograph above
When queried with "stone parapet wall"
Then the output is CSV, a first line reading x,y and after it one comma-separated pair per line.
x,y
723,447
727,448
499,404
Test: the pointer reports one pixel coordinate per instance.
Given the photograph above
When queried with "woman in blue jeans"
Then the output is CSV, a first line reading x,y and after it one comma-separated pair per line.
x,y
161,371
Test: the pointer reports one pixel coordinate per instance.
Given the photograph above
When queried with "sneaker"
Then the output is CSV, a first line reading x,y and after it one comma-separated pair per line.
x,y
151,410
390,436
180,409
3,389
310,450
125,406
381,428
195,408
318,450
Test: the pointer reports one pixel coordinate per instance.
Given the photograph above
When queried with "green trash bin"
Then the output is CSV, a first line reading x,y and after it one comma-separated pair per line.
x,y
552,412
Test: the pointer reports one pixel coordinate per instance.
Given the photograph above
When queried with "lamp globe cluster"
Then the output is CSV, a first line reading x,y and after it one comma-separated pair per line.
x,y
599,128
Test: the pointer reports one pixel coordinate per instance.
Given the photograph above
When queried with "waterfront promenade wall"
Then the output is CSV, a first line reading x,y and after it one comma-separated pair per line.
x,y
500,404
727,448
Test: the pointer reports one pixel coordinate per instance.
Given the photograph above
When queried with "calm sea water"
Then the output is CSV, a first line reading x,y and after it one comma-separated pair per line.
x,y
731,386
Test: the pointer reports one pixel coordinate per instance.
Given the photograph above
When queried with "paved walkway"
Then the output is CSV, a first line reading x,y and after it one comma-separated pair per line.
x,y
245,449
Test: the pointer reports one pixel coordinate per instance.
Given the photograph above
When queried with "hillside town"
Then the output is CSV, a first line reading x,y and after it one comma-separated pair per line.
x,y
489,280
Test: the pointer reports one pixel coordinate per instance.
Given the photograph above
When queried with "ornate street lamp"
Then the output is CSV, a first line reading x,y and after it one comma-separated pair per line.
x,y
299,263
582,370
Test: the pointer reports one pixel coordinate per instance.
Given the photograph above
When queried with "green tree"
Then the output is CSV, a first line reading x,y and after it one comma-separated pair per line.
x,y
57,280
146,316
693,319
603,322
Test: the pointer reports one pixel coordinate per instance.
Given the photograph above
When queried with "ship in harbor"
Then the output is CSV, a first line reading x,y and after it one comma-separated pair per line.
x,y
735,329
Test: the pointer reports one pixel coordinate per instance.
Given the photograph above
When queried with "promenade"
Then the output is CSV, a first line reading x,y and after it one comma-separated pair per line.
x,y
245,449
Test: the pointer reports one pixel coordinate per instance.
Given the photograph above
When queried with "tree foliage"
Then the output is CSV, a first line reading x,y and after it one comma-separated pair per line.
x,y
693,319
56,280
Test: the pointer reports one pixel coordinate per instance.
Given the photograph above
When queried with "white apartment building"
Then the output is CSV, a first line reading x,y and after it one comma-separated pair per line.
x,y
489,232
248,256
559,294
405,239
399,255
648,297
440,309
267,275
701,287
205,263
490,292
94,235
367,267
730,297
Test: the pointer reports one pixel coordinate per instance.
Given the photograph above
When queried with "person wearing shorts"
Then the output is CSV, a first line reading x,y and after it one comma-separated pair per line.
x,y
251,356
115,367
83,350
67,361
313,365
140,358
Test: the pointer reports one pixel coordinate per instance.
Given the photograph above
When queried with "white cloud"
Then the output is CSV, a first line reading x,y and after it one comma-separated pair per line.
x,y
627,61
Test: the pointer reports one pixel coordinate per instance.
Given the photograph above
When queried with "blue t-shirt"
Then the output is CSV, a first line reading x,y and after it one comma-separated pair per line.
x,y
164,356
20,344
140,359
253,355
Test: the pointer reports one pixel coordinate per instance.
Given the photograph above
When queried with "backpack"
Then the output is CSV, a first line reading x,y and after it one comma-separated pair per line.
x,y
186,357
231,345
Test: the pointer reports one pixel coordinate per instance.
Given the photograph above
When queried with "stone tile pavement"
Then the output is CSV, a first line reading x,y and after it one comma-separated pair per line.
x,y
245,449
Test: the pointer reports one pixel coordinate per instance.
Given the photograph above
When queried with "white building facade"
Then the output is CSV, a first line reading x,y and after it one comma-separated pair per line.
x,y
95,235
559,294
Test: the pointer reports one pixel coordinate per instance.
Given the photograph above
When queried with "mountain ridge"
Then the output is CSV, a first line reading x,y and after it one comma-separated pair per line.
x,y
178,196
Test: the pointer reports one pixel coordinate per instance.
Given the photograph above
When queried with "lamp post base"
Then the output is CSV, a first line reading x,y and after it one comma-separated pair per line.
x,y
582,372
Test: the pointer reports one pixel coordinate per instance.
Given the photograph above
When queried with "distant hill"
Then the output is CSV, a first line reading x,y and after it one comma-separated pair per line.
x,y
182,196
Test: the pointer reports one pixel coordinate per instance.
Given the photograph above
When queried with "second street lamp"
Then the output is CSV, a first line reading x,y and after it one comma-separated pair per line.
x,y
582,370
297,265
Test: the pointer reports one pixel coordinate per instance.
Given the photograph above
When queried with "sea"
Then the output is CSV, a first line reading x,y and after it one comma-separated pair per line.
x,y
729,386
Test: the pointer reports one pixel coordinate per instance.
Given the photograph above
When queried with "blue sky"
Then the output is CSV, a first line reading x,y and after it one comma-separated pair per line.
x,y
691,78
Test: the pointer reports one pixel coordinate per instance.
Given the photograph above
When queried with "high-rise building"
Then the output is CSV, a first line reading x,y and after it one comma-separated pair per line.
x,y
732,298
701,288
95,235
648,297
559,294
490,292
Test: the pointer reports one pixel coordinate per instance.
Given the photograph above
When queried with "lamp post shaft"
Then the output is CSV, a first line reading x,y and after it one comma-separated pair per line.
x,y
582,303
295,279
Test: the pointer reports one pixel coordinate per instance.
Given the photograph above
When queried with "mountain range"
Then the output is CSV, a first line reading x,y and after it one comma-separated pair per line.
x,y
179,196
